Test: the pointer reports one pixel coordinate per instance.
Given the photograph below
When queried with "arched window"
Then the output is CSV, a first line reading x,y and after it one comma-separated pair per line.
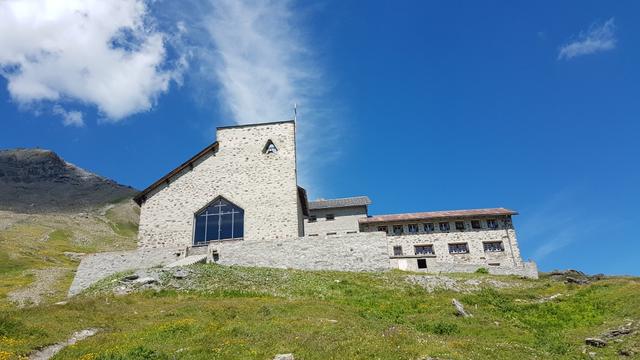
x,y
220,220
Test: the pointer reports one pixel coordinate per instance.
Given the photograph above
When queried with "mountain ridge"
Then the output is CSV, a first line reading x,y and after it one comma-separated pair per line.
x,y
36,180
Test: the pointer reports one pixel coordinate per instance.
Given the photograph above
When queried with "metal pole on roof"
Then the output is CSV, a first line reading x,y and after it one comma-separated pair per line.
x,y
295,112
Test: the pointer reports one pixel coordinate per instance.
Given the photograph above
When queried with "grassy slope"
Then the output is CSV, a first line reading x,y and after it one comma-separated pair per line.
x,y
254,313
38,242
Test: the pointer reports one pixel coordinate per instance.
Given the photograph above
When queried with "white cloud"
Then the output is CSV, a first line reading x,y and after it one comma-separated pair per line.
x,y
69,118
103,53
599,37
263,65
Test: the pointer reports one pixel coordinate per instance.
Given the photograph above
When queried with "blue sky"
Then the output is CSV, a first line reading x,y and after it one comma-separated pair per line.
x,y
419,105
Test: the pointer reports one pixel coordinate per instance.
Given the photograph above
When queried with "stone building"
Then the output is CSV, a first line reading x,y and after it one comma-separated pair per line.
x,y
336,216
445,240
237,202
241,187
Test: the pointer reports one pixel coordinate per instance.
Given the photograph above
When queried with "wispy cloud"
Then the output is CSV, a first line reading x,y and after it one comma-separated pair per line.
x,y
102,53
262,64
69,118
599,37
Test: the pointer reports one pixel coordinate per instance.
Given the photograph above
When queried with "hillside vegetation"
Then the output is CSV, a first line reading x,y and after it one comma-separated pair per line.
x,y
216,312
39,252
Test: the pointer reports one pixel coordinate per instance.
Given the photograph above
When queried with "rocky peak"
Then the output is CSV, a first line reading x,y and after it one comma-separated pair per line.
x,y
38,180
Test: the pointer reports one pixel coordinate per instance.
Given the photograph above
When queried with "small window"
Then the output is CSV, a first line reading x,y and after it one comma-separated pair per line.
x,y
422,263
270,148
330,217
461,248
313,234
413,228
460,225
493,246
492,224
351,232
475,224
397,230
424,249
382,228
397,251
331,233
444,226
428,227
313,218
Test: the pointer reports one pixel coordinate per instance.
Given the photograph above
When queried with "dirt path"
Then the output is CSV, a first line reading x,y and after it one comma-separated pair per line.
x,y
48,352
43,285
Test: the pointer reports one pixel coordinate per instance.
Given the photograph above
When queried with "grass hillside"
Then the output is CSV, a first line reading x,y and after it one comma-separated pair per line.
x,y
33,264
216,312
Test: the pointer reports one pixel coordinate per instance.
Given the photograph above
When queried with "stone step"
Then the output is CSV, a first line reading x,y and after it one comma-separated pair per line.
x,y
189,260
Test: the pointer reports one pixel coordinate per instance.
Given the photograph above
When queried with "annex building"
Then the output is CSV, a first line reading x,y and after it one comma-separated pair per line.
x,y
239,199
238,202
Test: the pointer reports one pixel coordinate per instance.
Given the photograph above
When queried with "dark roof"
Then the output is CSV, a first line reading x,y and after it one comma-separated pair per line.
x,y
256,124
438,215
141,197
339,203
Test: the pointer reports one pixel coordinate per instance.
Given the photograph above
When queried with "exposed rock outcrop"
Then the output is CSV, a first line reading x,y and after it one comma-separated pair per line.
x,y
38,181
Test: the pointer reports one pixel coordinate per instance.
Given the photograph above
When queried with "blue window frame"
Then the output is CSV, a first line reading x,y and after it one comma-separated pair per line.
x,y
220,220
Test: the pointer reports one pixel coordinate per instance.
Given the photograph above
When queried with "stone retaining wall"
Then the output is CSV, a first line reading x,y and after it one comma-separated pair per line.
x,y
356,252
98,266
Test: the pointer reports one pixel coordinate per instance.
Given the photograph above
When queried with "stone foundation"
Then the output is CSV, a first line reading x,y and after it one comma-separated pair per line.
x,y
356,252
96,267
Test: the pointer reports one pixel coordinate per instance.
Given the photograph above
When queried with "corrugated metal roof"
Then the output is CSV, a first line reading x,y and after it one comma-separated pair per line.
x,y
339,203
438,215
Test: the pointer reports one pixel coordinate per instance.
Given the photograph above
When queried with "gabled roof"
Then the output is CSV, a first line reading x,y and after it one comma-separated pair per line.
x,y
438,215
339,203
141,197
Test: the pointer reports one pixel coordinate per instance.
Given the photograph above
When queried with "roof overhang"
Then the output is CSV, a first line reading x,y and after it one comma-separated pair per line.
x,y
142,196
434,215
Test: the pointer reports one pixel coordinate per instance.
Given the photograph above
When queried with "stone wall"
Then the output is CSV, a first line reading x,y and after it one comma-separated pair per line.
x,y
526,269
98,266
356,252
345,221
264,185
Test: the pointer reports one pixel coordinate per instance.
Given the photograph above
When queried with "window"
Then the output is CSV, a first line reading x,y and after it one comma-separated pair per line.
x,y
422,263
397,251
461,248
313,218
397,230
331,233
460,225
424,250
428,227
270,148
492,224
313,234
493,246
329,217
382,228
475,224
444,226
413,228
219,221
